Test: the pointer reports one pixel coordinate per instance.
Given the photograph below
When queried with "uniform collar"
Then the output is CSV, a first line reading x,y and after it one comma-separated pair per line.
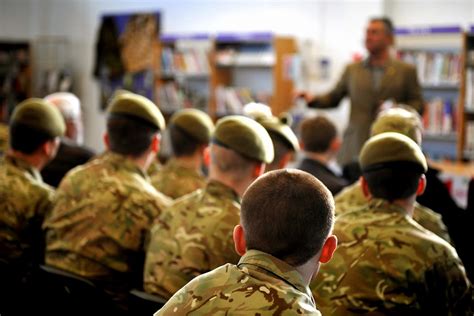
x,y
386,206
366,63
275,266
223,191
176,164
123,162
25,166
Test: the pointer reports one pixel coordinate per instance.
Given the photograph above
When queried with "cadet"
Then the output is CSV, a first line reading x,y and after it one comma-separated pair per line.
x,y
190,131
321,144
283,236
285,142
387,264
408,123
36,126
104,208
194,235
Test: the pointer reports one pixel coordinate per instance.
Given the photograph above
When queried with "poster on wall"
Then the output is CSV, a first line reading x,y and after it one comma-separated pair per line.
x,y
127,54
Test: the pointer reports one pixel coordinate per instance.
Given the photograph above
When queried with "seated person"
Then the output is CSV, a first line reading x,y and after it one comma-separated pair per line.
x,y
320,143
284,234
194,235
190,131
387,264
408,123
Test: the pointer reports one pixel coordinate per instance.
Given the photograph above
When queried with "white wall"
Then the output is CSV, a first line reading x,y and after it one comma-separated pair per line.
x,y
335,27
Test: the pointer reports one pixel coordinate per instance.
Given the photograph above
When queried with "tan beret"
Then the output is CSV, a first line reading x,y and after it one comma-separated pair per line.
x,y
398,120
281,126
137,106
194,122
386,148
245,136
41,115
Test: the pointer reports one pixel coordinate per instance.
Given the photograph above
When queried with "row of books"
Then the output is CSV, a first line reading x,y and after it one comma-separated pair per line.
x,y
231,100
435,68
245,56
469,148
439,117
173,97
469,103
192,61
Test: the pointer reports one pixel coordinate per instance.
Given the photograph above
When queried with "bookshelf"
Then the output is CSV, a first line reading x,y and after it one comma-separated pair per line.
x,y
249,67
465,147
184,76
437,54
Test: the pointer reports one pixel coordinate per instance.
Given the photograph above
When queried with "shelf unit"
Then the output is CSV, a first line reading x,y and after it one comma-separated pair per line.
x,y
184,76
437,54
465,147
251,67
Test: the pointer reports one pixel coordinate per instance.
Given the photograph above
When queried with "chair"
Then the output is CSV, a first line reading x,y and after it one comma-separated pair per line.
x,y
142,303
64,293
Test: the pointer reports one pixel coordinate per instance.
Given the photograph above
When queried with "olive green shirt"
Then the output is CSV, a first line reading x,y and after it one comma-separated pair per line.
x,y
175,180
192,237
4,138
387,264
24,201
352,198
102,214
259,284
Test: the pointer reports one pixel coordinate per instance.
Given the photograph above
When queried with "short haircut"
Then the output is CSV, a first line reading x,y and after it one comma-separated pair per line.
x,y
396,182
26,139
287,214
280,147
129,135
387,23
231,162
317,133
182,143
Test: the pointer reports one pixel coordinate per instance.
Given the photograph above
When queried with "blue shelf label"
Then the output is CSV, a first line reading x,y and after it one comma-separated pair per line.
x,y
448,29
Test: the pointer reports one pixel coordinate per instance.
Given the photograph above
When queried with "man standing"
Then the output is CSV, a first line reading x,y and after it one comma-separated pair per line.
x,y
194,235
368,84
104,209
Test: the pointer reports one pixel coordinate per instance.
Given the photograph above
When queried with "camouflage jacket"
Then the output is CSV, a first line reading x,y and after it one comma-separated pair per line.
x,y
4,135
175,180
192,237
24,201
352,198
258,285
101,216
387,264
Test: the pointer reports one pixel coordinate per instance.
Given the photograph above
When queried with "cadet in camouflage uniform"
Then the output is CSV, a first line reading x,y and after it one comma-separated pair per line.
x,y
285,142
36,126
194,235
286,222
408,123
104,208
190,131
386,263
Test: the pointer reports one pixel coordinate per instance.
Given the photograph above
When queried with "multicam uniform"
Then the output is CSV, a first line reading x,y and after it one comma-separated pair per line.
x,y
192,237
259,284
387,264
175,180
352,198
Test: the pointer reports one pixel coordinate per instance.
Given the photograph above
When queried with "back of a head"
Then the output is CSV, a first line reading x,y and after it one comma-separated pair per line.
x,y
317,133
189,129
401,120
392,165
242,138
34,122
288,214
132,122
67,103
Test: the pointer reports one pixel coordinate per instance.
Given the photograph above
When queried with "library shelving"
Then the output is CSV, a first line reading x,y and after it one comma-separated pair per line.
x,y
184,76
251,67
466,100
437,54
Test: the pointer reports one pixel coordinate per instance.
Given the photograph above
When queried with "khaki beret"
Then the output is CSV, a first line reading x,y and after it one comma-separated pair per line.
x,y
398,120
245,136
281,126
41,115
137,106
194,122
389,148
